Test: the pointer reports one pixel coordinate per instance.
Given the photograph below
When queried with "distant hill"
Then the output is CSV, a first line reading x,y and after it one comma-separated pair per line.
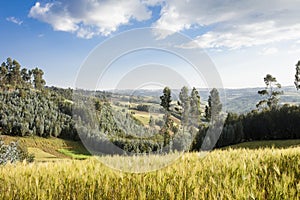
x,y
234,100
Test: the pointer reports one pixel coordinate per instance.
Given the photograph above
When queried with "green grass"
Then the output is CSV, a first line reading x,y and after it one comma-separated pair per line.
x,y
222,174
74,154
49,149
42,156
143,117
267,144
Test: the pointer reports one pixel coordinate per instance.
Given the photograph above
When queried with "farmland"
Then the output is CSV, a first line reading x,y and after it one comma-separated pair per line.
x,y
266,173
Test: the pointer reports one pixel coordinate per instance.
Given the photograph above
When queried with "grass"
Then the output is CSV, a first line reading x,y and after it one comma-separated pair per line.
x,y
143,117
268,173
267,144
50,149
75,154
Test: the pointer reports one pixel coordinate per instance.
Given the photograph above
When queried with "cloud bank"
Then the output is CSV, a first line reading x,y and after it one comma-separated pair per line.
x,y
221,24
88,18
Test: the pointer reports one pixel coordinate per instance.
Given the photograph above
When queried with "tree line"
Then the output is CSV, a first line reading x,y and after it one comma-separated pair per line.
x,y
13,76
28,108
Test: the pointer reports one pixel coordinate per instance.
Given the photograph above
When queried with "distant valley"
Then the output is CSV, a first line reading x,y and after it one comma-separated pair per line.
x,y
234,100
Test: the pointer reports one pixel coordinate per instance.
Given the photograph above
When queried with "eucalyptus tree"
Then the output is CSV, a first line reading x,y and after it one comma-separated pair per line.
x,y
214,107
271,92
297,76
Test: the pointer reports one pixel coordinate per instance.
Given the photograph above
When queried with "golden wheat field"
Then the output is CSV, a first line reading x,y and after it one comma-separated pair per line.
x,y
223,174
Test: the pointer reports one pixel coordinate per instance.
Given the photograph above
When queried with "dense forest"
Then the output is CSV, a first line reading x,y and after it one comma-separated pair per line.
x,y
29,108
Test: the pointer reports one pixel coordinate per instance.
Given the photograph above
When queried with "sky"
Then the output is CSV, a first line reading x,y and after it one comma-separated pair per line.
x,y
245,40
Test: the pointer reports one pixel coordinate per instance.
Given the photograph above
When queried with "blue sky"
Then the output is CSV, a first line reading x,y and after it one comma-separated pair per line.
x,y
244,39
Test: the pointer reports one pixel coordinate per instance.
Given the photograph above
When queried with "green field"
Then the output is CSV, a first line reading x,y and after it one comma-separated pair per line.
x,y
51,149
267,144
264,173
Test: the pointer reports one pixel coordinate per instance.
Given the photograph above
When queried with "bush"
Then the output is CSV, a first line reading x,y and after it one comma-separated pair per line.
x,y
14,152
143,107
159,122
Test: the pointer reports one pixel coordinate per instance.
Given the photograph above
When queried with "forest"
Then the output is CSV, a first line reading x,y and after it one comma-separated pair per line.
x,y
29,108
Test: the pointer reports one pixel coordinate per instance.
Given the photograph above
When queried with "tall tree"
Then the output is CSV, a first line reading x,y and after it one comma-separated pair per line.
x,y
185,104
26,76
38,80
166,99
297,76
271,92
16,74
195,107
9,67
214,107
3,75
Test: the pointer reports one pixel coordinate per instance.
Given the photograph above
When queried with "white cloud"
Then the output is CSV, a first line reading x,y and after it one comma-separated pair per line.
x,y
88,18
247,36
222,24
269,51
14,20
232,24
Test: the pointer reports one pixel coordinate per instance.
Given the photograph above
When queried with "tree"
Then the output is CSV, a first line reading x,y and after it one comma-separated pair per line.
x,y
16,74
13,76
185,103
214,107
195,106
297,76
166,99
151,122
26,76
3,75
271,92
166,130
14,152
39,82
13,73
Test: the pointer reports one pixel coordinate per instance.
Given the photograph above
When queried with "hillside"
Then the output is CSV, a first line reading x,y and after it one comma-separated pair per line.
x,y
56,149
50,149
234,100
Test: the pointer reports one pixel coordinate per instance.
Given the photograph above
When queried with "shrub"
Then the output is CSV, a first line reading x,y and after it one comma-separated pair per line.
x,y
14,152
143,107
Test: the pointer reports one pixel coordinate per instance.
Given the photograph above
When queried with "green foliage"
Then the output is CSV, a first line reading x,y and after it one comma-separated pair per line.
x,y
38,80
195,110
14,152
297,76
265,144
214,107
166,99
185,104
143,107
33,113
13,76
281,123
275,124
159,122
271,92
151,121
73,154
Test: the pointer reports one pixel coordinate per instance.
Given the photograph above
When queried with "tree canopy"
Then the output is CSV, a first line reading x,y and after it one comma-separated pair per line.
x,y
297,75
166,99
214,107
13,76
271,92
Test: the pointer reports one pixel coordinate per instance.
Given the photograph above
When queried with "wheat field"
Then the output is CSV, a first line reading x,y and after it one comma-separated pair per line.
x,y
222,174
